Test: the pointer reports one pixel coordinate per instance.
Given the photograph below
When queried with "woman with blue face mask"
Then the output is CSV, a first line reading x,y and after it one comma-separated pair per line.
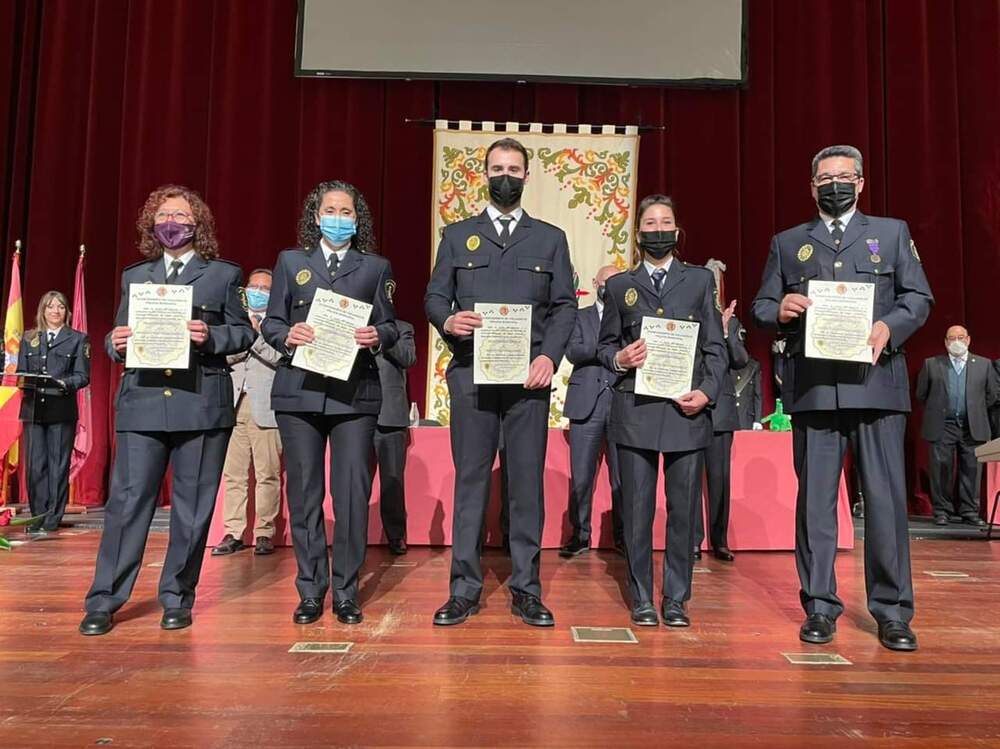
x,y
336,252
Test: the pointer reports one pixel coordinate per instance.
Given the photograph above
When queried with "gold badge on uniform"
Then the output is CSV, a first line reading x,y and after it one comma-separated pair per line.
x,y
34,342
302,277
631,297
805,252
86,349
472,243
390,289
913,251
243,300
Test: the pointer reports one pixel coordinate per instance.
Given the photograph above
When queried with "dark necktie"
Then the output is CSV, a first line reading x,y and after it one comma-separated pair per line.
x,y
658,275
52,336
333,264
837,232
175,271
505,222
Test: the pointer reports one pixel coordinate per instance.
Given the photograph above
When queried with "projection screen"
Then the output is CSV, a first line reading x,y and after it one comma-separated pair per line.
x,y
690,42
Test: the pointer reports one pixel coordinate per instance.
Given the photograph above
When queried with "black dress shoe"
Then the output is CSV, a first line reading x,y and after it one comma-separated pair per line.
x,y
817,629
673,614
455,611
897,636
308,611
940,520
263,546
644,614
953,518
176,619
972,518
397,546
531,610
96,623
574,547
696,555
723,554
228,545
348,612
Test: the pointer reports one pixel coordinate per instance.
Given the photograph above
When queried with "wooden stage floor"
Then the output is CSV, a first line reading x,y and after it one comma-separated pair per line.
x,y
230,681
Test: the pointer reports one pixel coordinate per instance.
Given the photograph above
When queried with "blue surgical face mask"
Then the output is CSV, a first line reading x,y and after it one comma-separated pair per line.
x,y
257,298
337,229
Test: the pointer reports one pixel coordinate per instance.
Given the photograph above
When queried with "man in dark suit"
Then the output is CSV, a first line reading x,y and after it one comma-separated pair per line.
x,y
501,256
391,434
836,403
958,388
746,385
588,408
718,455
179,417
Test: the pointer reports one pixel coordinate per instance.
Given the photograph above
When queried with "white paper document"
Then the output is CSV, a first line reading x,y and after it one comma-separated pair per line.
x,y
158,315
334,318
839,321
671,346
501,349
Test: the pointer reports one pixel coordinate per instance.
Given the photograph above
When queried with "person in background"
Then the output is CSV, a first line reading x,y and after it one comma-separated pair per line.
x,y
255,444
747,386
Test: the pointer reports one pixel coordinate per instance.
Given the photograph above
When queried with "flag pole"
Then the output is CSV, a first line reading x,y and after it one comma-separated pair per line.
x,y
74,484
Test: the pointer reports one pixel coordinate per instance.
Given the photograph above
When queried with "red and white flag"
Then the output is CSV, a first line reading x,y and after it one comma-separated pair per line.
x,y
84,441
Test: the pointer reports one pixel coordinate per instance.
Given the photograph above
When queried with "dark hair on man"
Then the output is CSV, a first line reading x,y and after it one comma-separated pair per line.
x,y
849,152
506,144
309,233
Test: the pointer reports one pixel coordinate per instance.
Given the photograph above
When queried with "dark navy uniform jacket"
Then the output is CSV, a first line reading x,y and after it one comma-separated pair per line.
x,y
362,276
67,359
725,417
688,293
533,269
201,396
875,250
590,378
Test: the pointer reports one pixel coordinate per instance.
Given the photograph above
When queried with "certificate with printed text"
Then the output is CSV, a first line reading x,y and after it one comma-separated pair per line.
x,y
839,321
334,318
671,346
158,315
501,349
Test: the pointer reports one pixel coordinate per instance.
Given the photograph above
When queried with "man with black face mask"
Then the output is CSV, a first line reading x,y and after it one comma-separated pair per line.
x,y
503,255
835,404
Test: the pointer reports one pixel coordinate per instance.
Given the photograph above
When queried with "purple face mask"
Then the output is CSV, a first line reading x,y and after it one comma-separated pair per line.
x,y
172,235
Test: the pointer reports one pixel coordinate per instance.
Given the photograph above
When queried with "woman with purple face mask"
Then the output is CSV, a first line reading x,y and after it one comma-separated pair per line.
x,y
170,417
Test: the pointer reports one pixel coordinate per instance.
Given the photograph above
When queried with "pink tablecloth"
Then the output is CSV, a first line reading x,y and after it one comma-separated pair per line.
x,y
762,514
992,486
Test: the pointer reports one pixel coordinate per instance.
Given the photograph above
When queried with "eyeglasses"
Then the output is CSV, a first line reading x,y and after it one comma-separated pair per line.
x,y
182,217
825,179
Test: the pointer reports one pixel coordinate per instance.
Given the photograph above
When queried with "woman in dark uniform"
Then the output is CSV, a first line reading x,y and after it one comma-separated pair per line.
x,y
336,253
49,413
660,286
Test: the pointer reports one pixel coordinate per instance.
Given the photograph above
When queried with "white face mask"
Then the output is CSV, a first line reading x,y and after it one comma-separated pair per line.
x,y
958,348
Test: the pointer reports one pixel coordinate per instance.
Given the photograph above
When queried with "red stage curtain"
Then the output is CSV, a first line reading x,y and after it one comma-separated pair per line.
x,y
103,100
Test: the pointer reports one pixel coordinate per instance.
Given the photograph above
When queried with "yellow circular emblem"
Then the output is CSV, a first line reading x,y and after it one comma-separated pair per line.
x,y
805,252
34,342
472,243
631,297
302,277
876,258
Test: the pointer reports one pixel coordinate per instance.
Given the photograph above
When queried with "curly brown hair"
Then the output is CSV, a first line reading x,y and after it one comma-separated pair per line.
x,y
205,242
309,233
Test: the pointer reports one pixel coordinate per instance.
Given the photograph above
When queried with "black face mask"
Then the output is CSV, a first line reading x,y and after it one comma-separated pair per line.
x,y
835,198
505,190
601,291
658,244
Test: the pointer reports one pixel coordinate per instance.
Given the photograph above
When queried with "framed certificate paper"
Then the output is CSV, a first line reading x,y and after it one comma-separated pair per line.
x,y
501,349
158,315
671,346
334,318
839,321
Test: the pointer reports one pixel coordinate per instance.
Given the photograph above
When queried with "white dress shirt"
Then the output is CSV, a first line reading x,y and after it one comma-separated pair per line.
x,y
844,219
494,213
169,259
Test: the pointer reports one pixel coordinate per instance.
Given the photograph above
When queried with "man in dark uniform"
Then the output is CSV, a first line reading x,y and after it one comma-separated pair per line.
x,y
836,403
501,256
391,435
746,385
180,417
588,408
718,455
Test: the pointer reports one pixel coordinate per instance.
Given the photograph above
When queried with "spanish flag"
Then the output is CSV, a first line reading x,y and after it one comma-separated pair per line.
x,y
10,396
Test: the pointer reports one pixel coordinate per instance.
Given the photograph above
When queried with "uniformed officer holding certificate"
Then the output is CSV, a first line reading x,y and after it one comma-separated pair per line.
x,y
836,403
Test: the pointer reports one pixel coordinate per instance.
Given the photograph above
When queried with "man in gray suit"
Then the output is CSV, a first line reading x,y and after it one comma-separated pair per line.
x,y
835,403
958,388
391,434
502,255
255,443
588,408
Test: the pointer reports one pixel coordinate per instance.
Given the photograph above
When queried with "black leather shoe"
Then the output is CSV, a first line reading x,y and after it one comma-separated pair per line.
x,y
308,611
263,546
673,614
897,636
940,520
574,547
953,518
531,610
455,611
644,614
972,518
817,629
697,555
397,546
348,612
228,545
723,554
176,619
96,623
